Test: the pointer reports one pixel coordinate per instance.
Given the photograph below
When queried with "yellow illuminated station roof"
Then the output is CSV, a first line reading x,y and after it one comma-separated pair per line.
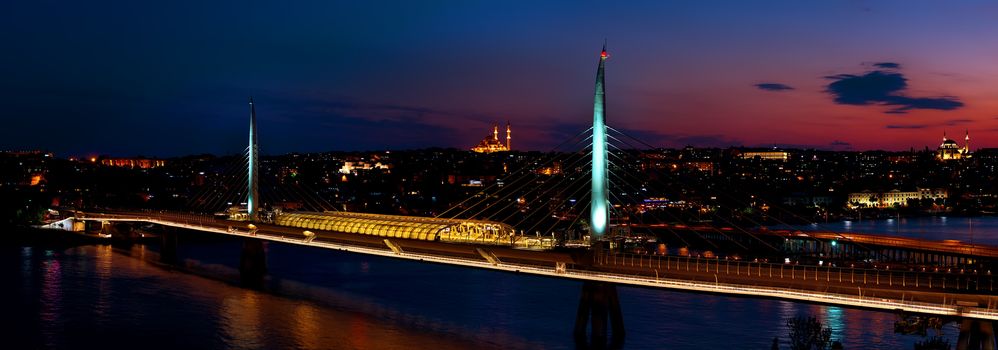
x,y
398,226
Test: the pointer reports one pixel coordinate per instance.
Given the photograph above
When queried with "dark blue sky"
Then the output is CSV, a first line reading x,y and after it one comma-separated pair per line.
x,y
127,78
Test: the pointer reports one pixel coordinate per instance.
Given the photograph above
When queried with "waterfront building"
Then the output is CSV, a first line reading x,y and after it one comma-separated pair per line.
x,y
892,198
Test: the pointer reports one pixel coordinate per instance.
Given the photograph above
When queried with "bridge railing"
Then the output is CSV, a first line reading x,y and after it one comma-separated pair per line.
x,y
967,282
146,215
989,311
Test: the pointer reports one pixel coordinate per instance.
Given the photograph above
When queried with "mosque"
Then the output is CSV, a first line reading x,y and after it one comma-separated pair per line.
x,y
950,150
491,143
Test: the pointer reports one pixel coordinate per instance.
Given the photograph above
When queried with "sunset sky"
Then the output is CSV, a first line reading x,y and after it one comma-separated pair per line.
x,y
166,79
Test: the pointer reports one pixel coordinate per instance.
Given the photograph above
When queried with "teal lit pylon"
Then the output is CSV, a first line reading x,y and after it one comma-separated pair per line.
x,y
599,212
252,205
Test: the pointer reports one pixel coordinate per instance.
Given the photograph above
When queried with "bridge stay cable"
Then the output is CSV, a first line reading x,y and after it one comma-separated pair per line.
x,y
526,183
779,221
551,187
518,172
231,192
318,197
575,183
538,222
655,213
518,177
676,218
581,211
287,193
715,214
536,199
715,229
209,190
533,178
774,205
502,194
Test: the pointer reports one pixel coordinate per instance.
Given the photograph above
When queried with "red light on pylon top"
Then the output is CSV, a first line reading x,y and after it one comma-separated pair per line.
x,y
603,54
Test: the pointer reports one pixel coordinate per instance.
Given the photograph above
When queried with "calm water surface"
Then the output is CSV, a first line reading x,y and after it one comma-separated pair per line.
x,y
120,298
983,230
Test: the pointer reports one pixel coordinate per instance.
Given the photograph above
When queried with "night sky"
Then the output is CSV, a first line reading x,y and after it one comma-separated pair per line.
x,y
172,78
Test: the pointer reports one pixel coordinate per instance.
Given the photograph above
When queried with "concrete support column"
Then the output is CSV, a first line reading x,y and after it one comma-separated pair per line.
x,y
976,335
599,306
122,232
252,263
168,246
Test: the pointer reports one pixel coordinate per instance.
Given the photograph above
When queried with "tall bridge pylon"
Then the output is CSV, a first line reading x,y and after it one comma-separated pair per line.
x,y
599,212
253,198
599,302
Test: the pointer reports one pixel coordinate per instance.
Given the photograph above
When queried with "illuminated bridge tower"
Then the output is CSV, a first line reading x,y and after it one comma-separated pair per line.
x,y
599,213
599,302
253,260
252,201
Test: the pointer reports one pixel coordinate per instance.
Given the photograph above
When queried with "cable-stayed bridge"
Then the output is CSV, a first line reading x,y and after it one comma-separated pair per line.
x,y
568,216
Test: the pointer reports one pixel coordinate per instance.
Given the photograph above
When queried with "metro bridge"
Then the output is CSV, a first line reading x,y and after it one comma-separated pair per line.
x,y
968,296
924,292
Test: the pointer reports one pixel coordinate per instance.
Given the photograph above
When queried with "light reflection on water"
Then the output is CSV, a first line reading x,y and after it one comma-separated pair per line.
x,y
51,297
240,319
93,295
833,319
307,326
982,230
104,274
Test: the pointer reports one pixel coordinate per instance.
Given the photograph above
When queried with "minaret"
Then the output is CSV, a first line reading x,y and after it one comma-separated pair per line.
x,y
508,133
599,213
966,144
495,132
252,204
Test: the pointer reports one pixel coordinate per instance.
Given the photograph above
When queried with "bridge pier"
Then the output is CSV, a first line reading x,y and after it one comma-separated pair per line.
x,y
252,263
168,246
598,302
976,335
122,232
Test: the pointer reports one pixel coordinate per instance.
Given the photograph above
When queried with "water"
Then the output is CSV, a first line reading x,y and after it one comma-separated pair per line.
x,y
120,298
980,230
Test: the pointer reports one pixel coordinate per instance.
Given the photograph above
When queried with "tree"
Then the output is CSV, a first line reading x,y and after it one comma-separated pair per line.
x,y
918,325
934,343
806,333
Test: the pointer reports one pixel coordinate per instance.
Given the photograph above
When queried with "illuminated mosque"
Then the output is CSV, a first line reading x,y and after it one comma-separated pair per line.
x,y
491,143
950,150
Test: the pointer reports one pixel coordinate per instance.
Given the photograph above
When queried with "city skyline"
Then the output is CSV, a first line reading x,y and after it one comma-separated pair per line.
x,y
344,77
453,174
